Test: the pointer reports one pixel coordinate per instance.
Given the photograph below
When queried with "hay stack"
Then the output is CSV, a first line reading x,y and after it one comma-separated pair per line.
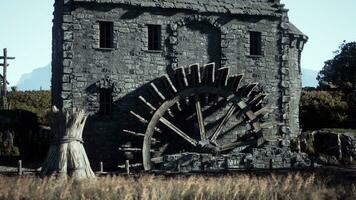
x,y
66,155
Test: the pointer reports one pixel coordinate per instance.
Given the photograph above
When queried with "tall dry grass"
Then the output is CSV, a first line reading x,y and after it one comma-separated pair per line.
x,y
276,187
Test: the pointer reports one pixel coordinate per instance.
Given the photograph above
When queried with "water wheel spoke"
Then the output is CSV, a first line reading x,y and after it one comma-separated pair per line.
x,y
169,85
178,131
139,135
221,125
133,133
200,118
139,117
209,110
146,103
157,91
237,124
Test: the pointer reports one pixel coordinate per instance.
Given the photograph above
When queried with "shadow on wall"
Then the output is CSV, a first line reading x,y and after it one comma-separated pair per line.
x,y
103,134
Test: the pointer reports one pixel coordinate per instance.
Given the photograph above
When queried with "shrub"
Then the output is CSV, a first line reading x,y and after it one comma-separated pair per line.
x,y
38,102
323,109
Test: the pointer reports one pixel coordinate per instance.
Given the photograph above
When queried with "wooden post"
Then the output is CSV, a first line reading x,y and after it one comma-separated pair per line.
x,y
127,166
4,72
178,166
19,169
5,65
101,167
270,164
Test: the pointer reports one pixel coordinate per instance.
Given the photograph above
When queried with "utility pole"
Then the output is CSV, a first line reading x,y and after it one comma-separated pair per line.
x,y
4,82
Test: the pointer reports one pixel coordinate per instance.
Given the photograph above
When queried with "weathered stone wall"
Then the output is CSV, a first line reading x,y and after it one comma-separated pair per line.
x,y
79,65
291,43
294,54
199,42
57,54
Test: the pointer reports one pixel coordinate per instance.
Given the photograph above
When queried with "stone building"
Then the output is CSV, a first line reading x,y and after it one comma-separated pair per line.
x,y
105,51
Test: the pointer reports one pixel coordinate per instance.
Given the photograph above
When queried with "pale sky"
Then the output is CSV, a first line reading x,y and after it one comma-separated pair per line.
x,y
25,30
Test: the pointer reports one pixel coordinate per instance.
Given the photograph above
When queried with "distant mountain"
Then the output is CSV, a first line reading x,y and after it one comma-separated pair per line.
x,y
309,78
39,78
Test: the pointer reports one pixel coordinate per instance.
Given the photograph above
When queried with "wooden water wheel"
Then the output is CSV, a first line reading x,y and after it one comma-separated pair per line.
x,y
198,109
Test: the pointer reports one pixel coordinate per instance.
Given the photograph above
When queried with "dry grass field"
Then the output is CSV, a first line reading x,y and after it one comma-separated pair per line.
x,y
293,186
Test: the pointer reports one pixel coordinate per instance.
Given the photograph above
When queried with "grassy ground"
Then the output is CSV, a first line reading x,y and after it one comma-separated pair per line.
x,y
294,186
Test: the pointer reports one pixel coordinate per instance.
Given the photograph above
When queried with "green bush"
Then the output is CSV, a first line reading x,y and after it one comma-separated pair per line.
x,y
38,102
324,109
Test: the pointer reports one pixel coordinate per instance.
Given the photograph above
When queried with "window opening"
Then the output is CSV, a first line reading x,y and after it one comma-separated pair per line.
x,y
106,35
154,37
255,43
106,101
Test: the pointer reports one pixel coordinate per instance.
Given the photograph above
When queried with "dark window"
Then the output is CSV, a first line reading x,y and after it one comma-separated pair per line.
x,y
105,101
255,44
154,37
106,35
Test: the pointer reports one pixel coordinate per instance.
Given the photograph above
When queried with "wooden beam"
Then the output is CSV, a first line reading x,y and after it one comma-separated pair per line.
x,y
234,145
132,149
209,73
169,85
135,165
133,133
179,107
200,119
234,82
141,119
181,78
141,135
157,160
264,111
178,131
156,90
223,122
4,80
246,91
8,58
146,103
222,76
195,73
